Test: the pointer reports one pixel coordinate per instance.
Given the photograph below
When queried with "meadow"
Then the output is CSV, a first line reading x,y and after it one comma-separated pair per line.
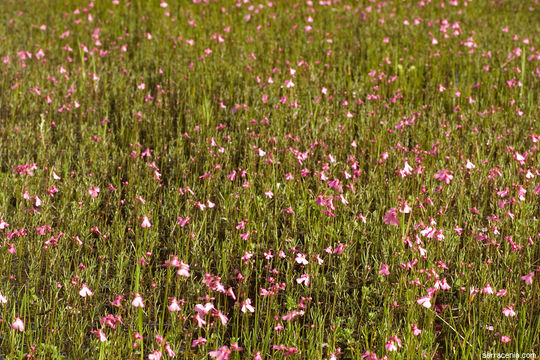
x,y
310,179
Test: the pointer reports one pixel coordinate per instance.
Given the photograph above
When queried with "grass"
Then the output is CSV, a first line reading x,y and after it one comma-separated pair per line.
x,y
266,143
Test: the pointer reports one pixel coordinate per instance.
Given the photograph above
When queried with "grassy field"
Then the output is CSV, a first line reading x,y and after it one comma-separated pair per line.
x,y
313,180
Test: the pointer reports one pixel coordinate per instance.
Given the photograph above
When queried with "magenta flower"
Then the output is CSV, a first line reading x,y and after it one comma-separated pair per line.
x,y
222,353
384,270
416,331
94,191
444,175
505,339
528,278
391,217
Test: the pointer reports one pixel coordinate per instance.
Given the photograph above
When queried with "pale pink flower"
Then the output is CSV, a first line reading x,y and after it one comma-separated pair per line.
x,y
183,270
146,222
425,301
85,291
246,306
393,344
303,279
301,259
198,341
137,301
174,306
3,224
509,311
100,335
528,278
155,355
416,331
18,324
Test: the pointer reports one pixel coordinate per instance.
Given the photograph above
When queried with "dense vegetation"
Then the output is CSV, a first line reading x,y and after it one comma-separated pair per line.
x,y
269,179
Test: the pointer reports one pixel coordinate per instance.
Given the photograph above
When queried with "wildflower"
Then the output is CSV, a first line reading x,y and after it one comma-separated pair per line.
x,y
155,355
444,175
425,301
85,291
137,301
509,311
94,191
183,270
528,278
18,324
246,306
384,270
393,343
303,279
391,217
146,222
198,341
174,306
100,335
222,353
416,331
301,259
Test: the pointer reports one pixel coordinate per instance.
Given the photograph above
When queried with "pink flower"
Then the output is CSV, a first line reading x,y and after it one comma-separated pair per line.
x,y
100,335
94,191
3,224
505,339
146,222
246,306
444,175
509,311
393,344
384,270
391,217
487,290
155,355
222,353
18,324
528,278
183,270
416,331
85,291
425,301
301,259
199,341
222,317
137,301
303,279
174,306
